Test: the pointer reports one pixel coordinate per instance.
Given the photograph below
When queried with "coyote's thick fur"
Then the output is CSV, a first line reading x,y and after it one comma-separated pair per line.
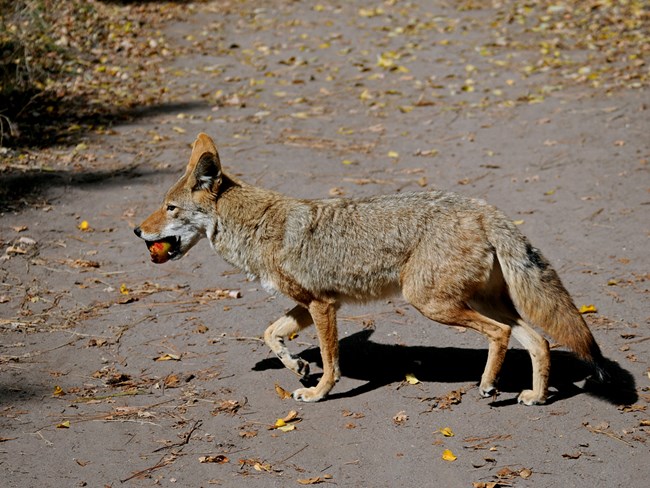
x,y
457,260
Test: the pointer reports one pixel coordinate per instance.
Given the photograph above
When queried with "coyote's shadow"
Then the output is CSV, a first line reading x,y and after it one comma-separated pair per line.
x,y
382,364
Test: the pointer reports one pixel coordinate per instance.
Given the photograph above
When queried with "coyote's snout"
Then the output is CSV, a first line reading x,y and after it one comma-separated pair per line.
x,y
457,260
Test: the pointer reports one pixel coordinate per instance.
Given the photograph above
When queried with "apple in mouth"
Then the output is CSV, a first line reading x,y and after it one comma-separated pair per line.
x,y
164,249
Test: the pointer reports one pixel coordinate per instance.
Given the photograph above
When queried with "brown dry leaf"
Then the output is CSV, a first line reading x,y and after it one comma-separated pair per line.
x,y
315,480
632,408
282,393
354,415
507,473
172,381
227,406
82,263
292,416
485,484
525,473
400,418
218,459
248,434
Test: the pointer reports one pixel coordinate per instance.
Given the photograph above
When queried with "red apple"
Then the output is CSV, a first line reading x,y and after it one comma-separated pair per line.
x,y
159,251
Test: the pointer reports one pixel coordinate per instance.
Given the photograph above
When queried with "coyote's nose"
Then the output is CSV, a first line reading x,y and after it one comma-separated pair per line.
x,y
137,231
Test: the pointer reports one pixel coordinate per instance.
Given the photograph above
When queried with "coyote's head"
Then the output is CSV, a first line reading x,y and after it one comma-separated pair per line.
x,y
187,212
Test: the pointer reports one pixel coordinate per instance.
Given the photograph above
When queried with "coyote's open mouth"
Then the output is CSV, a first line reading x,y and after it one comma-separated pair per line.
x,y
164,249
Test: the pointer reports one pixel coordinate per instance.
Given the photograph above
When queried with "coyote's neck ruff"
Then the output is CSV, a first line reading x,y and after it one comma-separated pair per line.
x,y
457,260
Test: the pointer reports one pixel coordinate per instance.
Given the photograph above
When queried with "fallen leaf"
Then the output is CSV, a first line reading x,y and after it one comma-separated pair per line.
x,y
411,379
447,455
168,357
282,393
525,473
316,480
400,418
124,290
58,392
291,416
172,381
84,226
64,425
219,459
588,309
447,432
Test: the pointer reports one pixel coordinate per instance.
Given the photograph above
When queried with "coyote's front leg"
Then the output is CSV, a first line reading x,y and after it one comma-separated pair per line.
x,y
291,323
324,316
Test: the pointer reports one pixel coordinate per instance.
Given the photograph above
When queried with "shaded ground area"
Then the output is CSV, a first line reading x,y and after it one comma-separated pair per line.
x,y
115,371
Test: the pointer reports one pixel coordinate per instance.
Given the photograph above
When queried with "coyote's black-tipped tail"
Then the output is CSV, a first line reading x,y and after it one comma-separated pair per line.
x,y
539,295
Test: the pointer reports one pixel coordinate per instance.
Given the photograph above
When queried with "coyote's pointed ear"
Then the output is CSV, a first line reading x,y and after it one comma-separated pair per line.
x,y
202,144
204,165
207,173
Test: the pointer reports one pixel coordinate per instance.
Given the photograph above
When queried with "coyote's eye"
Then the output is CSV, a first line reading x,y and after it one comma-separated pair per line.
x,y
171,208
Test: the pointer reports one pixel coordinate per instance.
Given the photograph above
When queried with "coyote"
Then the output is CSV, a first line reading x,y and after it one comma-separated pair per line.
x,y
457,260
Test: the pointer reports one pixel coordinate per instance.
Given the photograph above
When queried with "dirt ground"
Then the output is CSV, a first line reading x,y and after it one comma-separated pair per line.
x,y
115,371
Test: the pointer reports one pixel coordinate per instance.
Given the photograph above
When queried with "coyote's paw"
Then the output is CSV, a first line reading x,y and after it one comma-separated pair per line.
x,y
529,397
308,394
301,368
488,391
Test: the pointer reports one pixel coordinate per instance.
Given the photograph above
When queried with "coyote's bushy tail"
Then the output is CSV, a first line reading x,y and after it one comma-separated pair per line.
x,y
540,297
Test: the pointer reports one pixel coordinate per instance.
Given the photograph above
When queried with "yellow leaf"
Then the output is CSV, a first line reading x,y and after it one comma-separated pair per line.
x,y
123,289
279,423
447,432
365,95
588,309
518,222
58,391
411,379
84,226
393,154
169,357
64,425
447,455
287,428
